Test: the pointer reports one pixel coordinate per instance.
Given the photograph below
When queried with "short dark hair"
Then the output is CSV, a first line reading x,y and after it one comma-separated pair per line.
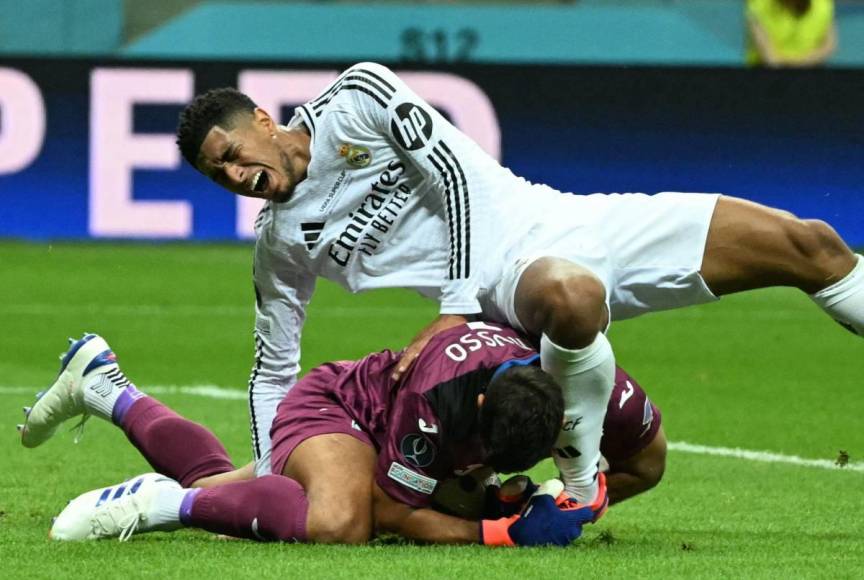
x,y
520,418
216,107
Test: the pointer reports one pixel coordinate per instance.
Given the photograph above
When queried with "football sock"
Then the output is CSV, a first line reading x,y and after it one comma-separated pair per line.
x,y
124,402
270,508
587,377
844,300
102,391
173,445
165,510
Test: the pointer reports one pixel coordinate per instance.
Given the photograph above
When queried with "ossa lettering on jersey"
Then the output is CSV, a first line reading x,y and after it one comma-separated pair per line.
x,y
480,336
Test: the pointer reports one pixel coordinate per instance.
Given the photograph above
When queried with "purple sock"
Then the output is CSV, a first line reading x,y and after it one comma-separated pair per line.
x,y
174,446
186,506
272,508
129,395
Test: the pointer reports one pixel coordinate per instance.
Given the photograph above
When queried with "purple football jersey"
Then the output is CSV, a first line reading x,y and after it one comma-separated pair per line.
x,y
632,420
424,429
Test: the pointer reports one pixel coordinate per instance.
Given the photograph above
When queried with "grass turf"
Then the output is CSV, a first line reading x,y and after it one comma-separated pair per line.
x,y
762,371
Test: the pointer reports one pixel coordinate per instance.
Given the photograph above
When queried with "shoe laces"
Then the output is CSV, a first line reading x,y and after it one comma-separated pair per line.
x,y
115,517
78,429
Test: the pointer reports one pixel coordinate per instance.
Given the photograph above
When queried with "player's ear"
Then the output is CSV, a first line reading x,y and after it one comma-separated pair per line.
x,y
480,399
264,120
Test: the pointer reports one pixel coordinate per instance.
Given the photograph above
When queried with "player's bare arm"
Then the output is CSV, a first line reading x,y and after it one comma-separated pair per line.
x,y
426,525
409,355
629,477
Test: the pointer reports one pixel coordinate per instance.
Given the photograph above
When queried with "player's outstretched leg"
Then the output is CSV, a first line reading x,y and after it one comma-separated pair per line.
x,y
566,305
91,383
271,508
88,372
752,246
324,496
171,444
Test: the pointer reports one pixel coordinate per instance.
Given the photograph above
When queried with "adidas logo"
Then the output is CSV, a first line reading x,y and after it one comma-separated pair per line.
x,y
568,452
311,233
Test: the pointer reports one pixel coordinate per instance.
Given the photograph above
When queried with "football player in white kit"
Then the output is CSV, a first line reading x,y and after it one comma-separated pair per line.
x,y
370,187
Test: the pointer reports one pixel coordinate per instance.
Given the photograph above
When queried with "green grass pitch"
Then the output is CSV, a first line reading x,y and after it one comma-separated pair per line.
x,y
764,371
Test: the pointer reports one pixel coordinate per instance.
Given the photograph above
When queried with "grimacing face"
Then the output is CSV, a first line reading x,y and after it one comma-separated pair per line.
x,y
254,158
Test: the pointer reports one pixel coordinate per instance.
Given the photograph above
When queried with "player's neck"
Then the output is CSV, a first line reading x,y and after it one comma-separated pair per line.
x,y
295,143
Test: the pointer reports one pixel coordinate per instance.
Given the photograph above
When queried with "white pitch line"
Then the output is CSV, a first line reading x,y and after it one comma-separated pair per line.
x,y
194,310
402,311
762,456
217,392
208,391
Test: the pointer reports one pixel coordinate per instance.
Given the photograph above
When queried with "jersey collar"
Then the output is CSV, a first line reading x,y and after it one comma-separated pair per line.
x,y
516,362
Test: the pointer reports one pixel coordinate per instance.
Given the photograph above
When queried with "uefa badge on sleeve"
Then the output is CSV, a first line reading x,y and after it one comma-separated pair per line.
x,y
357,156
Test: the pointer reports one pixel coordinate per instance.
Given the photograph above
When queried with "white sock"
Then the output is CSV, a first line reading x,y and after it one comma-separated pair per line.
x,y
587,377
844,300
164,512
101,392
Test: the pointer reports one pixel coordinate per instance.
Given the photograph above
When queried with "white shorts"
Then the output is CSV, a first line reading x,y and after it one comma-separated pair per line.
x,y
646,249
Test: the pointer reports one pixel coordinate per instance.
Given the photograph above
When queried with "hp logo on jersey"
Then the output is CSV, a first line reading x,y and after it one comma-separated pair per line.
x,y
412,128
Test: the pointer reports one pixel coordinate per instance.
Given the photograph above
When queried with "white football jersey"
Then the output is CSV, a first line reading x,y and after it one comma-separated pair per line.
x,y
395,196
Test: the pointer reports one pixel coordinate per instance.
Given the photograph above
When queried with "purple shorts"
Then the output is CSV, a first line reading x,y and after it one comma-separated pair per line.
x,y
308,410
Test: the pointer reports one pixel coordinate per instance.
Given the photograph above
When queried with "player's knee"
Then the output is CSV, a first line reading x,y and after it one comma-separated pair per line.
x,y
342,525
824,256
572,309
813,239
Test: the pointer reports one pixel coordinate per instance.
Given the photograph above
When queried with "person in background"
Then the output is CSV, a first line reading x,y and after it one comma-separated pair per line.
x,y
790,33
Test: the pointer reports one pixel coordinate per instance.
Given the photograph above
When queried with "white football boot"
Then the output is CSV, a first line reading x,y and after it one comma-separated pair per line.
x,y
87,357
116,511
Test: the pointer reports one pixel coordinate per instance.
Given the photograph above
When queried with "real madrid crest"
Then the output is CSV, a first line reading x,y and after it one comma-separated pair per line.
x,y
356,156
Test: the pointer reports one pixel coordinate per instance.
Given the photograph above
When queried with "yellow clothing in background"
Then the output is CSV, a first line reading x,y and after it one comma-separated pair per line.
x,y
792,37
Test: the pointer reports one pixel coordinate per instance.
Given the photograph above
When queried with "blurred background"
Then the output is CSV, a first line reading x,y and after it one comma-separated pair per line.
x,y
760,99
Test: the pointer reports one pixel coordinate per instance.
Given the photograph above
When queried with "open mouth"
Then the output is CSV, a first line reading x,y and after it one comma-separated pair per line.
x,y
260,182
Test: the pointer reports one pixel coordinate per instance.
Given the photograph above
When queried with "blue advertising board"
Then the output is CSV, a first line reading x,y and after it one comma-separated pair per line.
x,y
87,148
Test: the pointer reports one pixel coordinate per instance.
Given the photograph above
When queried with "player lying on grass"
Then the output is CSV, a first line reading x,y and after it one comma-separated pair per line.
x,y
369,186
426,432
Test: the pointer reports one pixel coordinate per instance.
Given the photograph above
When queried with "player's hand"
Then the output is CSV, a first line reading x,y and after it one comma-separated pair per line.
x,y
412,351
541,523
509,498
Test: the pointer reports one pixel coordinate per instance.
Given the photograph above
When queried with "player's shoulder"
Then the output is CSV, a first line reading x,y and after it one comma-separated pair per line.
x,y
369,67
370,83
462,351
364,87
477,336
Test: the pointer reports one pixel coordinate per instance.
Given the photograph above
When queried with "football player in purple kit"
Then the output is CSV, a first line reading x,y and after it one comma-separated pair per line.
x,y
476,397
